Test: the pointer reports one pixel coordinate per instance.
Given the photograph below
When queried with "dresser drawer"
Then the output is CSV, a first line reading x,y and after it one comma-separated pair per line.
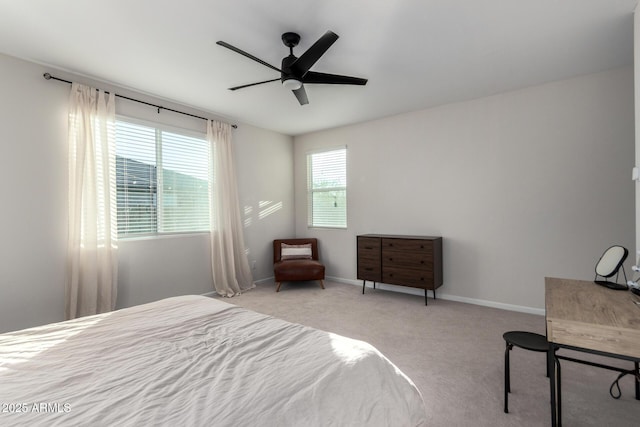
x,y
368,246
408,245
407,277
414,260
370,272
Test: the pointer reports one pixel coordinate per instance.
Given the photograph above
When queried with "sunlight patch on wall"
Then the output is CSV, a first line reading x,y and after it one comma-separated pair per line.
x,y
268,208
248,218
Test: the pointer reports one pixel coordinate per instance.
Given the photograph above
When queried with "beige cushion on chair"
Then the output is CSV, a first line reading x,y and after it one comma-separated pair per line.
x,y
288,252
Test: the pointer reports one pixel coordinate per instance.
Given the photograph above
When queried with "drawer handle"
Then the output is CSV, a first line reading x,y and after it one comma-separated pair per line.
x,y
368,268
422,279
390,259
421,262
368,247
421,246
390,274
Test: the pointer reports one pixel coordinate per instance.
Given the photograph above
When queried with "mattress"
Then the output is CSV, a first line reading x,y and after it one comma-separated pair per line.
x,y
197,361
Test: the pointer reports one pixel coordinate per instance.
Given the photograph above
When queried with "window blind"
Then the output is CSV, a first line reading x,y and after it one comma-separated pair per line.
x,y
185,184
136,178
327,188
162,180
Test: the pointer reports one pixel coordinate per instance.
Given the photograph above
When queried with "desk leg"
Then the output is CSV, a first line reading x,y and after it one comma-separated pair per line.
x,y
551,369
637,367
558,390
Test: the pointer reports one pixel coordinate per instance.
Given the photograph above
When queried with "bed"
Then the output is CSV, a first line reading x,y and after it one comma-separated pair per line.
x,y
196,361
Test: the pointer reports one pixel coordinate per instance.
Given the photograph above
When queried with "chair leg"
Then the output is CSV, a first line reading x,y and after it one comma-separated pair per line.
x,y
278,286
322,284
547,369
507,378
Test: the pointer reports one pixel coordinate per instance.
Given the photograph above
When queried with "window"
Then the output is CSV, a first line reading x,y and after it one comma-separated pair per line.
x,y
327,188
162,180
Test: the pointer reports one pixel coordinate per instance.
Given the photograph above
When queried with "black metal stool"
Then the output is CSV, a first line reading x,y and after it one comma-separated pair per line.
x,y
528,341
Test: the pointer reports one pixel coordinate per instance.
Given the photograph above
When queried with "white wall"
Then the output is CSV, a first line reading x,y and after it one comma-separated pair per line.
x,y
33,218
265,180
522,185
33,224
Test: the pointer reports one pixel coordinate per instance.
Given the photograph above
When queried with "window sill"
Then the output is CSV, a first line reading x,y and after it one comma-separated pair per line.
x,y
161,236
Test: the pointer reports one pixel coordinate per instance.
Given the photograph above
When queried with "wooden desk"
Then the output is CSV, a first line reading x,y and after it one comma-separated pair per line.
x,y
583,316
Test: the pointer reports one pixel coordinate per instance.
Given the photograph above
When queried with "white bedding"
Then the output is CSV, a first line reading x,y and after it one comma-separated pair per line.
x,y
197,361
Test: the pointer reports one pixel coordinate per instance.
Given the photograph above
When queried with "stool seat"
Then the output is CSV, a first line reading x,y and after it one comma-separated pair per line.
x,y
527,340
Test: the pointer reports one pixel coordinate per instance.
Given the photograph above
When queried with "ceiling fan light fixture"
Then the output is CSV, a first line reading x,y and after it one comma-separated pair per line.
x,y
292,84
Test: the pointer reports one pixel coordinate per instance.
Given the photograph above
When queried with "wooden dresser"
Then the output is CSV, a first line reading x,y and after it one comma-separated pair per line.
x,y
414,261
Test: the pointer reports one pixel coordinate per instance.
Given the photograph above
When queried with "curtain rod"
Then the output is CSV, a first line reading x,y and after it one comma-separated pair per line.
x,y
48,76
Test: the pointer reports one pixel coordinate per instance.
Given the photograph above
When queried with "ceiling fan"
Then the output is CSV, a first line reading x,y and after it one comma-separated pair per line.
x,y
294,71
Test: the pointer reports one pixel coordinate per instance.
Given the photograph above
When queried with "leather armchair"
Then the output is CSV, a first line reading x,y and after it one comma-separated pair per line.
x,y
290,270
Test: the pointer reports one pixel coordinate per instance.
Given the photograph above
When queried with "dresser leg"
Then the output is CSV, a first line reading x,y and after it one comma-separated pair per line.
x,y
363,283
434,293
425,297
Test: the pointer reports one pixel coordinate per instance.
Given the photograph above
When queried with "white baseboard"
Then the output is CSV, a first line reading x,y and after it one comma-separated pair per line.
x,y
257,282
267,280
210,294
420,292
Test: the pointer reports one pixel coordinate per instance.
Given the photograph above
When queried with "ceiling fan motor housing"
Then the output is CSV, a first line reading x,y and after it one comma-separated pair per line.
x,y
291,40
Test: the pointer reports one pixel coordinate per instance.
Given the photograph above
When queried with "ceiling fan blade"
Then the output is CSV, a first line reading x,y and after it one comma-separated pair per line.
x,y
253,84
332,79
301,94
248,55
302,65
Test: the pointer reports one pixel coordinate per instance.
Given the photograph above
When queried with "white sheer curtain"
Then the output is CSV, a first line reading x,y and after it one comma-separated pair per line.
x,y
92,268
231,273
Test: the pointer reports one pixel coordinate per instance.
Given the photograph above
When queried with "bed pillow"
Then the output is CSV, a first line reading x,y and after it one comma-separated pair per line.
x,y
288,252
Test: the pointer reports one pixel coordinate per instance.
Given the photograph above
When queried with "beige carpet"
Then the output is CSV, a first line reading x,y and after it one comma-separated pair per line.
x,y
454,353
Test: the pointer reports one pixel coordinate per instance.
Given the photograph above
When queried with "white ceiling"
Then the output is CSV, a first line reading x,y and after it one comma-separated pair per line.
x,y
416,53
